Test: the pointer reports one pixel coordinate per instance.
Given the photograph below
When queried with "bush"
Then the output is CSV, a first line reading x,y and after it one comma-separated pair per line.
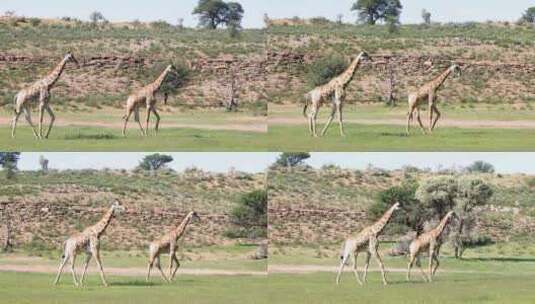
x,y
250,216
480,167
35,22
323,70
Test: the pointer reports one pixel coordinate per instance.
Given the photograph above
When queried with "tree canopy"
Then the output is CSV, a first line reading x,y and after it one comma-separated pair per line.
x,y
291,159
213,13
155,162
250,215
529,15
372,11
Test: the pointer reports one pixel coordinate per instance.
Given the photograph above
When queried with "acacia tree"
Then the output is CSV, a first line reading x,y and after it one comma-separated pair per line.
x,y
372,11
291,159
155,162
8,161
426,16
213,13
250,215
529,15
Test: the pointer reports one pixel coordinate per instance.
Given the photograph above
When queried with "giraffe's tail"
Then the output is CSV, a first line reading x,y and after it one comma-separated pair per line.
x,y
307,102
15,110
63,254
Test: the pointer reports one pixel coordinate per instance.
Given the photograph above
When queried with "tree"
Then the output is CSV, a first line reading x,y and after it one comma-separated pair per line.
x,y
155,162
426,16
43,162
213,13
340,19
372,11
471,193
96,17
8,161
529,15
250,215
413,216
480,167
438,194
180,23
291,159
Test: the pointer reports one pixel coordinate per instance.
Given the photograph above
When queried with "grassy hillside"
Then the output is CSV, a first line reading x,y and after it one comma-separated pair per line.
x,y
321,206
497,59
44,209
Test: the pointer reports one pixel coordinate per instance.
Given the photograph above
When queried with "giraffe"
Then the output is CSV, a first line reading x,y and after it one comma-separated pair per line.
x,y
365,241
39,91
168,243
428,240
89,241
429,92
334,89
146,96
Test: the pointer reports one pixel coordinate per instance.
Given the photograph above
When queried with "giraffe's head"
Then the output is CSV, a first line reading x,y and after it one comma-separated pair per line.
x,y
194,216
117,207
456,70
70,58
365,56
396,206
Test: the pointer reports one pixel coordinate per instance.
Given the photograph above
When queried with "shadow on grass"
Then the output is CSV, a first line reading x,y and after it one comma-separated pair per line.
x,y
394,134
81,136
138,283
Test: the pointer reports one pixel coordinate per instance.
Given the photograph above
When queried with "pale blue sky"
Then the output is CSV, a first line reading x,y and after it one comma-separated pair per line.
x,y
258,162
171,10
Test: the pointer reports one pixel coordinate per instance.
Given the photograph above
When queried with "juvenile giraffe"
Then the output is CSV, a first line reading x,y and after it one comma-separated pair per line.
x,y
146,96
168,243
39,91
429,92
88,241
335,90
429,240
365,241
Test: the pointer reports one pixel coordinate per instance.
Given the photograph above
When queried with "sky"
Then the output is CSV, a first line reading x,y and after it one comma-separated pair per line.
x,y
258,162
171,10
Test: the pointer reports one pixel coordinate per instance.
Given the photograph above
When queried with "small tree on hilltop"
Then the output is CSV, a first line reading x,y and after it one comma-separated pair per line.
x,y
480,167
250,216
8,161
426,16
372,11
529,15
155,162
96,17
213,13
291,159
43,162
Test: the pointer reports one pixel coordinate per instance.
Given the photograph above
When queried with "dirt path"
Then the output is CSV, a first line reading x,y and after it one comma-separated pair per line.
x,y
128,271
258,127
306,269
513,124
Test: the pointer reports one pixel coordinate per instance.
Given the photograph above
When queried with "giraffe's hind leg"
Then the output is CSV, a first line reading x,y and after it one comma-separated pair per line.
x,y
86,264
420,121
60,270
28,115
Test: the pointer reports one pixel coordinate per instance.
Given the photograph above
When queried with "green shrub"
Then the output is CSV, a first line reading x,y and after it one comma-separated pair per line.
x,y
323,70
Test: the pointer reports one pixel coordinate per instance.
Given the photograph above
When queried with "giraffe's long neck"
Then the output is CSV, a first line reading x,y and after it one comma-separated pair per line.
x,y
101,226
440,228
181,229
53,76
348,75
378,227
157,84
439,81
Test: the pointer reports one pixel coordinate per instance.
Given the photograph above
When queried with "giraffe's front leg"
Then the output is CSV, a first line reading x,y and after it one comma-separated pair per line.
x,y
95,251
86,264
430,110
355,269
430,268
368,256
374,251
172,250
61,266
177,265
329,120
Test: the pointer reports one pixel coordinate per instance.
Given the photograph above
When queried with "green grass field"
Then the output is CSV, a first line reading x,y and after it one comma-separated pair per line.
x,y
288,130
393,138
90,139
488,274
37,288
448,288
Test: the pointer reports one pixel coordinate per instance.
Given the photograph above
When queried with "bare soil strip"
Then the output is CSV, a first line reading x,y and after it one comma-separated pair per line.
x,y
499,124
306,269
258,127
130,271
